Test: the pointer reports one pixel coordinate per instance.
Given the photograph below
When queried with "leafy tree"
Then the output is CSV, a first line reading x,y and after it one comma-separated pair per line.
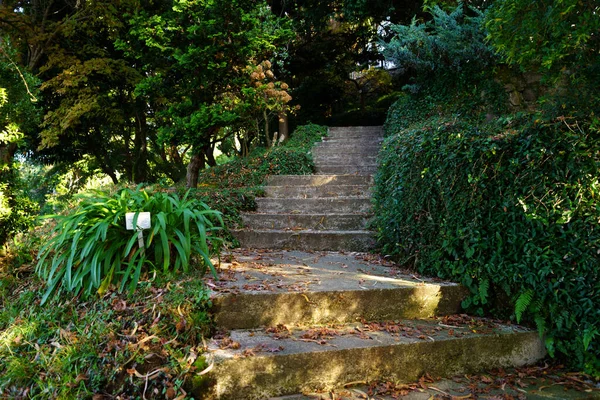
x,y
448,46
18,115
546,33
195,55
334,39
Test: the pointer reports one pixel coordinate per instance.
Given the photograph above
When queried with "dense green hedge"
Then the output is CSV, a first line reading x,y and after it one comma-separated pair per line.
x,y
510,213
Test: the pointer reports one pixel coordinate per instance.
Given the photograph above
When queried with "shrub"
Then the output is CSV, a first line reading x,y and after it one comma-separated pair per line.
x,y
509,212
232,187
451,45
91,248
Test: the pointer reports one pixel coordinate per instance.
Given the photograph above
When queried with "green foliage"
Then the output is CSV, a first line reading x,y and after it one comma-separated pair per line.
x,y
507,209
90,248
70,349
196,57
547,33
450,46
16,210
232,187
304,137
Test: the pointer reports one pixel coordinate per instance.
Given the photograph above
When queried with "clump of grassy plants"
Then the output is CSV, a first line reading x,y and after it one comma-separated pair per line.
x,y
90,247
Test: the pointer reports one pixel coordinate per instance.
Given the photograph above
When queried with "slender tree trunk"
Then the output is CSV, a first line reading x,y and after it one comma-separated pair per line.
x,y
193,169
110,172
267,135
140,164
283,127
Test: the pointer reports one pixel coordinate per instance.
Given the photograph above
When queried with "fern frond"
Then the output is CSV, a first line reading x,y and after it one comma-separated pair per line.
x,y
484,287
522,303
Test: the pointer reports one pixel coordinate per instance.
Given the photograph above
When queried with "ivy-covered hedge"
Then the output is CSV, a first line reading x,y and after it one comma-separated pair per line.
x,y
513,214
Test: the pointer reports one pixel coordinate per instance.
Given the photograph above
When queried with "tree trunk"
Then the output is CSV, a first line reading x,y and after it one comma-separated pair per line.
x,y
193,169
267,129
209,153
110,172
140,164
7,152
283,127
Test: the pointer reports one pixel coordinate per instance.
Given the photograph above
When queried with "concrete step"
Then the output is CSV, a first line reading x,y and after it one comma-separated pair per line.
x,y
353,134
356,161
354,130
314,205
297,191
353,141
322,288
328,222
345,169
308,240
353,152
351,157
349,147
319,180
258,364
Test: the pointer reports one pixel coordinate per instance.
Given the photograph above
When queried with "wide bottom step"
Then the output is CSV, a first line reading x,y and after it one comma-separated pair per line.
x,y
258,364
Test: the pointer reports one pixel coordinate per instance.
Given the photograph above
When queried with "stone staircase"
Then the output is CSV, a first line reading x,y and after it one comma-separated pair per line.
x,y
301,309
326,211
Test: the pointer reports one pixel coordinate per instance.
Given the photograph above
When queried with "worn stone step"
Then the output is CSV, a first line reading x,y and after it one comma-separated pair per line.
x,y
353,134
353,152
351,157
314,205
350,147
322,288
353,222
308,240
353,141
355,161
258,364
345,169
349,130
319,180
297,191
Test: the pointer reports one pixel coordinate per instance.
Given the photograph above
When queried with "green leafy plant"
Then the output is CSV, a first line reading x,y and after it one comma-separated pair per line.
x,y
91,248
451,45
508,209
232,187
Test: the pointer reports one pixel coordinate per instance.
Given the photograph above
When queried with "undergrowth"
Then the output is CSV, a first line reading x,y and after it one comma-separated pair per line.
x,y
142,344
232,187
146,344
90,248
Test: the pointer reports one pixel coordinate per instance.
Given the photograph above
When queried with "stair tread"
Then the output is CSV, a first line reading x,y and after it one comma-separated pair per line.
x,y
322,287
326,271
278,341
306,230
262,363
308,214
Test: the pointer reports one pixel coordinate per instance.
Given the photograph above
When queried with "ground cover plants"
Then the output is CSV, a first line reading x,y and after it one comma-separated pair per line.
x,y
146,344
81,331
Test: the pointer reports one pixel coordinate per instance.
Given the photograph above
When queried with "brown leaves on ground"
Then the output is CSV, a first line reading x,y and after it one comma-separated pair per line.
x,y
319,335
396,390
228,343
279,332
397,328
